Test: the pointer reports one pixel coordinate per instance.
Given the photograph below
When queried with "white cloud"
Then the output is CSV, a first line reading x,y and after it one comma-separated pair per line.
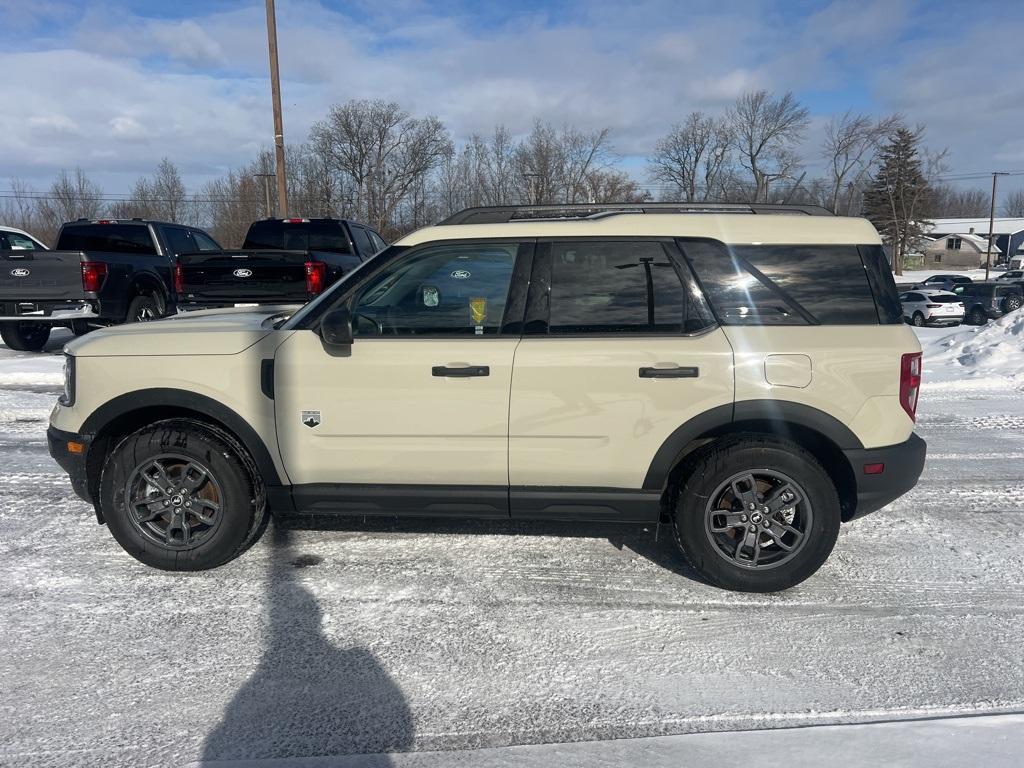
x,y
205,104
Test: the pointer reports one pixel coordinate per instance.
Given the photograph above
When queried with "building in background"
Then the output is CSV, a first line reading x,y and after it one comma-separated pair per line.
x,y
1008,237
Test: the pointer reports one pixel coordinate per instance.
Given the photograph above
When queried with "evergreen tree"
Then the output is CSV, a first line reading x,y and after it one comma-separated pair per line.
x,y
896,199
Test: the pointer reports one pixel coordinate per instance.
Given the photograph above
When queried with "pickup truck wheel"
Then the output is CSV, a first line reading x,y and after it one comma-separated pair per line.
x,y
1011,303
25,336
178,496
977,316
756,514
142,309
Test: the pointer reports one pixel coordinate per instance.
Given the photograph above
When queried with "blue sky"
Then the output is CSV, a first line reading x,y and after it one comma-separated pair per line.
x,y
113,86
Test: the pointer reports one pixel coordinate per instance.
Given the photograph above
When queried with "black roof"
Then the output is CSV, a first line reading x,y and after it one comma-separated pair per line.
x,y
508,213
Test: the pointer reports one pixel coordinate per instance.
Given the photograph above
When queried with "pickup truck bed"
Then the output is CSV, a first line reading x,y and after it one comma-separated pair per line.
x,y
224,278
41,285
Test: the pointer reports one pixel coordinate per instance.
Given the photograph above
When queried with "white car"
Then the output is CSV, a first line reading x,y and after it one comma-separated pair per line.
x,y
931,307
1013,274
12,239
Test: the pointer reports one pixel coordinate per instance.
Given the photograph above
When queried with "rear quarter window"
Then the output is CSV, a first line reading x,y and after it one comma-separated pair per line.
x,y
792,284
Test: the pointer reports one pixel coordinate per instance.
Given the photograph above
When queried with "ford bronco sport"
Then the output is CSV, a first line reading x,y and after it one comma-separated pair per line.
x,y
741,373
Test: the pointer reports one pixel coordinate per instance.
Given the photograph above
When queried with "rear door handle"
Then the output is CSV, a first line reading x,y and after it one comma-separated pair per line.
x,y
678,372
461,371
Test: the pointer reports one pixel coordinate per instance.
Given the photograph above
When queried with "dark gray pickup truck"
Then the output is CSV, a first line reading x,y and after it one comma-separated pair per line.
x,y
102,272
282,261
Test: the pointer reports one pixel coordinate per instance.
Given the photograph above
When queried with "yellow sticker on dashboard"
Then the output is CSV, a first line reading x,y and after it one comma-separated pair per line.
x,y
478,310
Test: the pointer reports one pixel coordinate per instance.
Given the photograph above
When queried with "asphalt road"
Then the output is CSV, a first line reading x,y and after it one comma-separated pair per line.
x,y
345,636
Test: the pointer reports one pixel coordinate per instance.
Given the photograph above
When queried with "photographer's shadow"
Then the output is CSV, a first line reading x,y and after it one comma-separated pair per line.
x,y
308,698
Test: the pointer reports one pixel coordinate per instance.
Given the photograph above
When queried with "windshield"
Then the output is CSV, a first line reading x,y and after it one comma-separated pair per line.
x,y
328,296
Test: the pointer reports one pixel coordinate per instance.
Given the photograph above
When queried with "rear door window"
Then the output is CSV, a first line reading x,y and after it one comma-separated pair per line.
x,y
617,287
204,242
785,284
111,238
179,240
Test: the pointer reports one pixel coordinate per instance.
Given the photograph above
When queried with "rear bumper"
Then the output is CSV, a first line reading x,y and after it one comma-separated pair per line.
x,y
73,463
49,311
190,305
903,463
937,321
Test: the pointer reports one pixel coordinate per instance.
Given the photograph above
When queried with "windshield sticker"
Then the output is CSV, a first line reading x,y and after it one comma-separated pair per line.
x,y
478,310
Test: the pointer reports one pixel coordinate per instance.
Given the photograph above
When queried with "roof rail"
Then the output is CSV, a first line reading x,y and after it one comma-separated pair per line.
x,y
510,213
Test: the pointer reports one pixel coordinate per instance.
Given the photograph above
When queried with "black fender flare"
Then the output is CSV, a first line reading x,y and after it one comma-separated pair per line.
x,y
201,404
778,413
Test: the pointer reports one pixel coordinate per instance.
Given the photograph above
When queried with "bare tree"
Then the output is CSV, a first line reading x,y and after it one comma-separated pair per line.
x,y
1013,205
71,196
946,200
383,151
765,131
693,158
851,144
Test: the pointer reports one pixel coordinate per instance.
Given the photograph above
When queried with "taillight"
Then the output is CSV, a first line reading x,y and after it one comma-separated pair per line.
x,y
316,271
910,383
179,279
92,275
933,306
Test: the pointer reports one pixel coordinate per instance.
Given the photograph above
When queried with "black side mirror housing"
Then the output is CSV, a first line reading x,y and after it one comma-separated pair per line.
x,y
336,327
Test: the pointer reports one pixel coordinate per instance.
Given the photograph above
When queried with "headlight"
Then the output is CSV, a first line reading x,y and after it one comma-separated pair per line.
x,y
68,398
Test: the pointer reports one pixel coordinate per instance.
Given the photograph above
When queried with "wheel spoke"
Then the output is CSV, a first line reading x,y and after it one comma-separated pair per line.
x,y
777,538
193,477
156,468
177,525
731,521
776,500
744,488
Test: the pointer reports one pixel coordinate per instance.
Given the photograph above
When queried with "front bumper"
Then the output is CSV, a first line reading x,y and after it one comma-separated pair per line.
x,y
903,464
75,464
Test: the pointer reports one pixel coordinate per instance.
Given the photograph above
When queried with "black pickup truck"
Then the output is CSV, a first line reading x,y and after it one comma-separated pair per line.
x,y
281,261
102,272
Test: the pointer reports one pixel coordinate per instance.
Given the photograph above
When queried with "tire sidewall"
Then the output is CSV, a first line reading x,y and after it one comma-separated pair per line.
x,y
138,303
194,442
720,463
919,319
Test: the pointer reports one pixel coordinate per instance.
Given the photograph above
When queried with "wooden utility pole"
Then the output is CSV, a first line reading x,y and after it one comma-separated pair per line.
x,y
991,223
275,90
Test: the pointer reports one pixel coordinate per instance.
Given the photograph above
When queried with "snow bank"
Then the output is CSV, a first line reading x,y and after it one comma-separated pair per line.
x,y
996,349
39,371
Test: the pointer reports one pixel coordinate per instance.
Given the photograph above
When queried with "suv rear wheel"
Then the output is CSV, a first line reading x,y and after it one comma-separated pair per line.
x,y
179,496
25,336
756,514
918,319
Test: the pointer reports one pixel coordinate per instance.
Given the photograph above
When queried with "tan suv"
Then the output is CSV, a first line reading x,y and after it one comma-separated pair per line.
x,y
741,372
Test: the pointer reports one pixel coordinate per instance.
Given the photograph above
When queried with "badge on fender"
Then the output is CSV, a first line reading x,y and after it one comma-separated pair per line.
x,y
311,418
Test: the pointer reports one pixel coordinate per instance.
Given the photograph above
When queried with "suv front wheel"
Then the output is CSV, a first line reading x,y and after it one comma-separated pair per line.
x,y
756,514
178,495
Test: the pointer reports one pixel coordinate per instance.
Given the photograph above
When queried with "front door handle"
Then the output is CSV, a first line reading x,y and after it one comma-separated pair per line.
x,y
461,371
678,372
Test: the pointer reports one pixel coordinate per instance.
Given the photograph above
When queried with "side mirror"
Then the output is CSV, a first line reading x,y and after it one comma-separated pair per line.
x,y
336,327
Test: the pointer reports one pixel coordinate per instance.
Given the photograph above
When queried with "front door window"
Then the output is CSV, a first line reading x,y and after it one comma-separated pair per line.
x,y
452,290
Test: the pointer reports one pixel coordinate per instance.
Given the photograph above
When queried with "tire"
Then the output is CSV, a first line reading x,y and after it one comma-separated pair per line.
x,y
1011,304
919,320
219,473
977,316
703,504
142,309
80,328
25,336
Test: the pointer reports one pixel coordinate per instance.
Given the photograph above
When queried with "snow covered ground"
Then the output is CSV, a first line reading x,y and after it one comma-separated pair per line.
x,y
341,637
